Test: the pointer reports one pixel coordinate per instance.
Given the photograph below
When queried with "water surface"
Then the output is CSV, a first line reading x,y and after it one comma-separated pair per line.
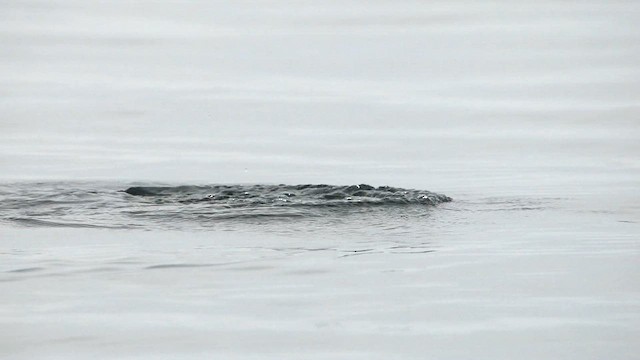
x,y
524,113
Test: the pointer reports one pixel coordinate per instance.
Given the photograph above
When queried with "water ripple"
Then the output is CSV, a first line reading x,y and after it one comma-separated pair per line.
x,y
281,208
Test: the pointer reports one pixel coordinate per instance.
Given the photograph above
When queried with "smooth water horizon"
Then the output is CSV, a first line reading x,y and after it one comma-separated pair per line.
x,y
319,180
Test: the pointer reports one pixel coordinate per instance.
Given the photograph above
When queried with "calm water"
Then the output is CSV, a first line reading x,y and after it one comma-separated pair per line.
x,y
527,115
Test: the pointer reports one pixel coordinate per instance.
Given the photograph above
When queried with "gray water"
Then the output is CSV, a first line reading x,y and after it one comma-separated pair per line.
x,y
525,114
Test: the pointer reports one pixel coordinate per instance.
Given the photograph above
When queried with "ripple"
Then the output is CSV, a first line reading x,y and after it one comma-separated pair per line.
x,y
289,195
283,208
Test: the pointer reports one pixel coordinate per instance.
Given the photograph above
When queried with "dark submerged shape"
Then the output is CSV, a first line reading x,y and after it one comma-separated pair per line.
x,y
348,209
290,195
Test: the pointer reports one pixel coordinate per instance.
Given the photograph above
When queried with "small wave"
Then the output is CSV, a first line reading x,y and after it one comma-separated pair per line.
x,y
290,195
47,223
281,208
